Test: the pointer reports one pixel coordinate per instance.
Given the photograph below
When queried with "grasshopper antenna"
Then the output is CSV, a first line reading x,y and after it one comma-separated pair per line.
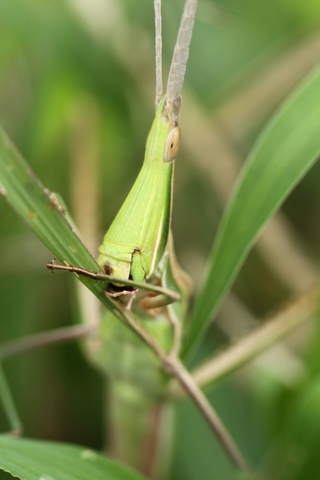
x,y
179,60
158,41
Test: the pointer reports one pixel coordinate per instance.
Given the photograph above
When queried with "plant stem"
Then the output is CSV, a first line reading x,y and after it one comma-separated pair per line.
x,y
188,384
293,316
58,336
174,366
139,429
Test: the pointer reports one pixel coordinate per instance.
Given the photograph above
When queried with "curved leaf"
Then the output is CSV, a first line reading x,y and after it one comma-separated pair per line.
x,y
35,460
44,213
285,151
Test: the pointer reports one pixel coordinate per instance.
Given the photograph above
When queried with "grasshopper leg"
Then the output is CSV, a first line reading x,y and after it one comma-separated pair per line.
x,y
132,294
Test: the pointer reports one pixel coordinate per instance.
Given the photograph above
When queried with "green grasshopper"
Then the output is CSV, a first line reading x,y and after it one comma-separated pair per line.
x,y
137,239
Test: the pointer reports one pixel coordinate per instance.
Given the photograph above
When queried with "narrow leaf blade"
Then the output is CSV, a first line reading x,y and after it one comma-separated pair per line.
x,y
41,210
285,151
34,460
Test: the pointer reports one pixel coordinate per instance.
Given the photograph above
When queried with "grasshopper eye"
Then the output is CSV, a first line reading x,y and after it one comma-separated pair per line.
x,y
172,144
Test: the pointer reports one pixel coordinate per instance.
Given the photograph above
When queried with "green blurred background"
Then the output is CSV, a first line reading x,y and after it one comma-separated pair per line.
x,y
77,82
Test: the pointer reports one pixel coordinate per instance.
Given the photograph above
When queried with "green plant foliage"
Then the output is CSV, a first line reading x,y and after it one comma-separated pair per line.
x,y
287,148
31,460
42,211
51,58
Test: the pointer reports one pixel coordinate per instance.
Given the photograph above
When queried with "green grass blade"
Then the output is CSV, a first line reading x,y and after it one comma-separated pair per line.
x,y
8,403
285,151
42,212
34,460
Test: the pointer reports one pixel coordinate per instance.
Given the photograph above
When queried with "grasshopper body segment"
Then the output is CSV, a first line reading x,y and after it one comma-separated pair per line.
x,y
137,238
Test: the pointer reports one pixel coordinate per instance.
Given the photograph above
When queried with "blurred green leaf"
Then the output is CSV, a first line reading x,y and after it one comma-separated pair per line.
x,y
304,416
287,148
31,460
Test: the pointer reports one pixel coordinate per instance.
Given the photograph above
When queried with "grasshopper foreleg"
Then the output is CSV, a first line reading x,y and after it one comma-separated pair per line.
x,y
159,297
